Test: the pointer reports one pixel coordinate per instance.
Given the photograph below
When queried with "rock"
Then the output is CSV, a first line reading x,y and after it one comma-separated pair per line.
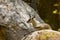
x,y
15,19
43,35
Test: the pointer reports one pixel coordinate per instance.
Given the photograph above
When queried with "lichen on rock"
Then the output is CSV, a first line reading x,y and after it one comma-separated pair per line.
x,y
43,35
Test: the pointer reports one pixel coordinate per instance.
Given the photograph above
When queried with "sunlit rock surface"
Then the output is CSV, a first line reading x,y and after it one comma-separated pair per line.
x,y
43,35
17,19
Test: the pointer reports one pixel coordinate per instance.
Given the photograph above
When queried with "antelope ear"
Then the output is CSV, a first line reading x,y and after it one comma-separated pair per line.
x,y
30,19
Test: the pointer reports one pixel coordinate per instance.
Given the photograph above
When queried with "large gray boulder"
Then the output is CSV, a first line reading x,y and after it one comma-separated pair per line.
x,y
17,19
